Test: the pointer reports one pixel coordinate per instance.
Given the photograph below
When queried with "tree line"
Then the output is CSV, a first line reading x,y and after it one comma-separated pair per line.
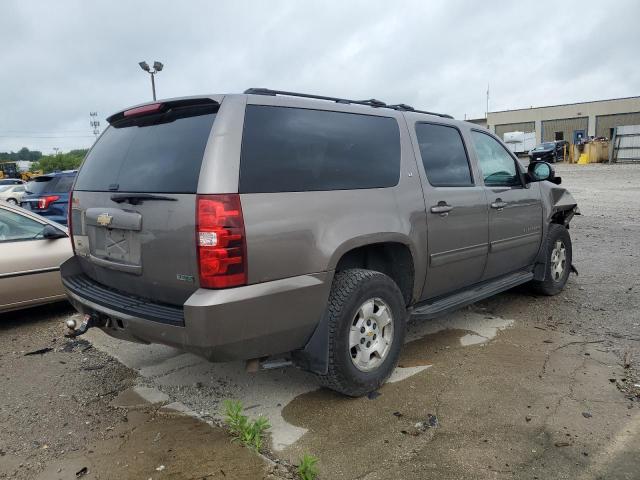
x,y
46,163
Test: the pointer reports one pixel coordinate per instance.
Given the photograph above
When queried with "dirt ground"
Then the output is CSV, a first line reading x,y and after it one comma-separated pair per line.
x,y
516,386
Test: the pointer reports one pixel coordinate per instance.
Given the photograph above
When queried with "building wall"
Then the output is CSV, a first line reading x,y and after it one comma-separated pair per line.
x,y
604,123
481,122
526,127
587,110
565,125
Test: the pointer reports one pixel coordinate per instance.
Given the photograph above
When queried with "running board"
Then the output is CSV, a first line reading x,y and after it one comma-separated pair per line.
x,y
467,297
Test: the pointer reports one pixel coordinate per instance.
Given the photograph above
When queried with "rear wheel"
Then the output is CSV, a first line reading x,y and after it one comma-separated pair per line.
x,y
366,319
558,261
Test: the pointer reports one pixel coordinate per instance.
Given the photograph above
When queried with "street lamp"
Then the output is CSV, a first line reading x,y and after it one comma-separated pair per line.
x,y
157,67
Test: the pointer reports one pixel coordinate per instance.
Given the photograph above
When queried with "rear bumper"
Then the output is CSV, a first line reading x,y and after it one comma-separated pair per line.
x,y
238,323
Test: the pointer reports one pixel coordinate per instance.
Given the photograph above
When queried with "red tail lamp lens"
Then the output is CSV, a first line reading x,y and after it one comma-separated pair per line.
x,y
221,241
44,202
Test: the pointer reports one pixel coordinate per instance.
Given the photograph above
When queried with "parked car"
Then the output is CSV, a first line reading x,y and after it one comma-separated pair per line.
x,y
12,193
271,224
31,251
48,195
549,151
10,181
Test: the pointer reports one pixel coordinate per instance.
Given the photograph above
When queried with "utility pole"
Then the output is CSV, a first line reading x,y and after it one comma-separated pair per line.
x,y
157,67
95,123
487,111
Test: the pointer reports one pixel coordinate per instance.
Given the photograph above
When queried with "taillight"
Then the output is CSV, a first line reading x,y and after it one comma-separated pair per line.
x,y
69,222
44,202
222,252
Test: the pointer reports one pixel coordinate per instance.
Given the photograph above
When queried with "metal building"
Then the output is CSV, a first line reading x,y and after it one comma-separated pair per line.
x,y
571,122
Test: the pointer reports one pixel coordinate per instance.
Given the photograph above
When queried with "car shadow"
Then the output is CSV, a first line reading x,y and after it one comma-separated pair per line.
x,y
34,315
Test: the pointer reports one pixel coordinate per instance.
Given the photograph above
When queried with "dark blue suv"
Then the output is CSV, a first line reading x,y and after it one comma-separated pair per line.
x,y
48,195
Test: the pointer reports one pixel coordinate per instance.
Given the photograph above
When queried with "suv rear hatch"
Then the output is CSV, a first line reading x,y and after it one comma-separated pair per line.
x,y
46,195
133,208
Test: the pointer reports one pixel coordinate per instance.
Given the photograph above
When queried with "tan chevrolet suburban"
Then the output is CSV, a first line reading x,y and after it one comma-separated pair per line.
x,y
275,224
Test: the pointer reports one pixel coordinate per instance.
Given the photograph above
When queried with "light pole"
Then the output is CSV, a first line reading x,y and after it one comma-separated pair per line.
x,y
157,67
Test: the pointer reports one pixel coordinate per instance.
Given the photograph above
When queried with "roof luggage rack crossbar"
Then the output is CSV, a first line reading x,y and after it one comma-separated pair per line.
x,y
370,103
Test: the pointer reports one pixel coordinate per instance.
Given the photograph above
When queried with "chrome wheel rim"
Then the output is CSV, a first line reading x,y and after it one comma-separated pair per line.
x,y
371,334
12,201
558,260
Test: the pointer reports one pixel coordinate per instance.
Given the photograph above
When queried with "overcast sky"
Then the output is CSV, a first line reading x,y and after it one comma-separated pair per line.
x,y
59,60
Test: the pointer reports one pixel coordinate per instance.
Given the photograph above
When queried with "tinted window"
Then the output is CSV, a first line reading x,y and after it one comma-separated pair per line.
x,y
497,166
443,155
292,149
58,184
39,185
62,184
163,156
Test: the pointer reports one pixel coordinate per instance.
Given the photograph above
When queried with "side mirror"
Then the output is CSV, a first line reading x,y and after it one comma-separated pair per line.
x,y
51,233
539,172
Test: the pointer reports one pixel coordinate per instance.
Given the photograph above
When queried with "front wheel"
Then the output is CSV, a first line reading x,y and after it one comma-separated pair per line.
x,y
366,320
557,262
12,201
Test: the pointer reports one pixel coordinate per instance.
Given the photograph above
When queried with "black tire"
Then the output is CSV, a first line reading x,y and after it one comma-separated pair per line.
x,y
350,290
553,282
12,201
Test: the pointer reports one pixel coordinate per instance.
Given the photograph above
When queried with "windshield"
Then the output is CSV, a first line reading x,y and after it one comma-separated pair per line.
x,y
545,146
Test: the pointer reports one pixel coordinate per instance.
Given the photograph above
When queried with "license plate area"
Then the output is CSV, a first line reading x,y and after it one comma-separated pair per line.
x,y
114,238
116,245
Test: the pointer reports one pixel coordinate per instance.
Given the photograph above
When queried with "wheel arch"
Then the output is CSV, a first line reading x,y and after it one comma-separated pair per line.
x,y
388,253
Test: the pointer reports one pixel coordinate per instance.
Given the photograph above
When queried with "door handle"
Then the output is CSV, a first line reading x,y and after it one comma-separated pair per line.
x,y
498,204
442,208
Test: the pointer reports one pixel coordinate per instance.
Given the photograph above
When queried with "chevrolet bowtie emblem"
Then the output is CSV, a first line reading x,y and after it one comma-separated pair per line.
x,y
104,219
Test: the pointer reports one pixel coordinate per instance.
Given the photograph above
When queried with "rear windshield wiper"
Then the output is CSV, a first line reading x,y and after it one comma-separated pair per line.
x,y
136,198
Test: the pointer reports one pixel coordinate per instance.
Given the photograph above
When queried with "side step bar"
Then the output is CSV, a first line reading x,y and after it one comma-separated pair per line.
x,y
453,302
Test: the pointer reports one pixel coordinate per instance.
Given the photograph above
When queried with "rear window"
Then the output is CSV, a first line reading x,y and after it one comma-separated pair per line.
x,y
57,184
292,149
161,153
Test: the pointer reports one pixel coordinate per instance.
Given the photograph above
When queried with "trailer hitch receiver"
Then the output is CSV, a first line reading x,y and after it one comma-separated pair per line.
x,y
73,330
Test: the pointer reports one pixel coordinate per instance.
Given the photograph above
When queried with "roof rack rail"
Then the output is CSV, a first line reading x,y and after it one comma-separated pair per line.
x,y
372,102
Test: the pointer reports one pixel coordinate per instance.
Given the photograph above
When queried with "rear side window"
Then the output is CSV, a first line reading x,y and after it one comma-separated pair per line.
x,y
443,155
292,149
161,154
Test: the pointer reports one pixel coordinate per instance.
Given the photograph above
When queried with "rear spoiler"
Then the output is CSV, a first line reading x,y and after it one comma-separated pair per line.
x,y
206,105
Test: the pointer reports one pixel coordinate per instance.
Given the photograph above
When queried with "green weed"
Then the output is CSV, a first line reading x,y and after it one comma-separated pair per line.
x,y
308,468
248,432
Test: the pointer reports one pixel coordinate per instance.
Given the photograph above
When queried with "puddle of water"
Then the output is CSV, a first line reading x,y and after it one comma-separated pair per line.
x,y
269,392
148,444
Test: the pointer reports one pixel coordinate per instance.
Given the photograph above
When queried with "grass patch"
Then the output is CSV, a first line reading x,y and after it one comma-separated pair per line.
x,y
249,433
308,468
